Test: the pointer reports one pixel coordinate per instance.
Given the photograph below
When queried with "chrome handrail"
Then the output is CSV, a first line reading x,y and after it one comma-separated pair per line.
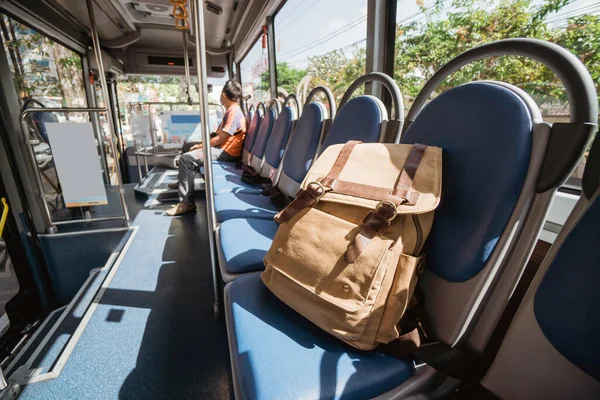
x,y
50,224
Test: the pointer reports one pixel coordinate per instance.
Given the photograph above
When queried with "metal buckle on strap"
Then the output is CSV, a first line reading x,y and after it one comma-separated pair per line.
x,y
387,203
375,222
320,191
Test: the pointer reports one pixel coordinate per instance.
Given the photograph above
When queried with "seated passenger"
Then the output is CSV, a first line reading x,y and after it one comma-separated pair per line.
x,y
226,146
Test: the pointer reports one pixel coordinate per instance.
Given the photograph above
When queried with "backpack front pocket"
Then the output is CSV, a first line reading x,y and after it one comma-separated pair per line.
x,y
309,251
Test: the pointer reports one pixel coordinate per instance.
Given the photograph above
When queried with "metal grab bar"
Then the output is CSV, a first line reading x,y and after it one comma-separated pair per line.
x,y
51,225
186,63
198,23
131,106
4,216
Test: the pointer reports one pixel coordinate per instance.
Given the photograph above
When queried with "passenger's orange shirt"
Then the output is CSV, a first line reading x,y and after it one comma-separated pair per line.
x,y
233,123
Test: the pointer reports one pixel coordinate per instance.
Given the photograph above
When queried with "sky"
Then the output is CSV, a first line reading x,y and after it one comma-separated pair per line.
x,y
306,28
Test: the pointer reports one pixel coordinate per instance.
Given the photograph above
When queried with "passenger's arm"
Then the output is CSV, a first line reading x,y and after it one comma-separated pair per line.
x,y
216,141
220,139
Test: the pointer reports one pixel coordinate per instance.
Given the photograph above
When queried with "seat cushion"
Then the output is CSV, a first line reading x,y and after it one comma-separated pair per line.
x,y
223,168
244,243
277,354
233,184
243,205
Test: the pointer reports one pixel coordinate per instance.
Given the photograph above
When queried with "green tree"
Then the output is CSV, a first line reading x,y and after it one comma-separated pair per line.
x,y
336,70
32,56
423,47
288,77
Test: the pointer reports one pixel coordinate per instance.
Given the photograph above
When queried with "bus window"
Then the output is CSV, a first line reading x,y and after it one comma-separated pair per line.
x,y
42,69
333,55
167,93
254,70
431,32
45,74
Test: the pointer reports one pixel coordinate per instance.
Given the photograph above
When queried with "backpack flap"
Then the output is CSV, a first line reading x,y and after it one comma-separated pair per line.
x,y
372,171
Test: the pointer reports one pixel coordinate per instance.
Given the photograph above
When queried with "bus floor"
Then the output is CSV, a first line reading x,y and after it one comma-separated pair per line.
x,y
153,334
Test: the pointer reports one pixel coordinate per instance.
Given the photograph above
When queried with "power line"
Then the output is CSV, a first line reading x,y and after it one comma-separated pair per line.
x,y
329,52
318,44
422,13
298,17
292,53
574,13
291,12
323,39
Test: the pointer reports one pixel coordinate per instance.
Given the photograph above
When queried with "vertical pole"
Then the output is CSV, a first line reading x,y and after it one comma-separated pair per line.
x,y
198,23
272,61
139,167
95,117
375,43
186,63
153,131
114,104
109,111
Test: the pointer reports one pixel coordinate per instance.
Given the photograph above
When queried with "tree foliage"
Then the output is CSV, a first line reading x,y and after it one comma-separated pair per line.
x,y
288,77
34,57
423,47
449,28
336,70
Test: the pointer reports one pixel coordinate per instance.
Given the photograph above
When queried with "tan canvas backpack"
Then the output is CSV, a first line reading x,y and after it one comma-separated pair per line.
x,y
346,255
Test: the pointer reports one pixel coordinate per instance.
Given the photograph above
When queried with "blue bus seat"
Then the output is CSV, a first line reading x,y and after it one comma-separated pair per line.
x,y
360,119
277,354
260,127
551,349
222,168
302,147
486,132
270,158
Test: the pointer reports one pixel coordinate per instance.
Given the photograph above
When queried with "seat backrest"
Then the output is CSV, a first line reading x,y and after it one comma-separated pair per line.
x,y
251,134
552,348
486,133
277,142
302,148
262,138
359,119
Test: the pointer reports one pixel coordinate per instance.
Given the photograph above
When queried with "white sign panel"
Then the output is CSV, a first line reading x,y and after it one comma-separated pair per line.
x,y
77,164
140,127
178,126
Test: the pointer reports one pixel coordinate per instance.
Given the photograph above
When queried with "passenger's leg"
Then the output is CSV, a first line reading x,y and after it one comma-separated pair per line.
x,y
187,146
188,163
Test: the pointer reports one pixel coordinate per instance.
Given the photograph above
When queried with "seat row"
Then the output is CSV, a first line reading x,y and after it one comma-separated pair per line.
x,y
501,166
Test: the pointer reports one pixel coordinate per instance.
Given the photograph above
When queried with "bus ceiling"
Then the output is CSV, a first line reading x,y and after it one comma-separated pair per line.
x,y
141,35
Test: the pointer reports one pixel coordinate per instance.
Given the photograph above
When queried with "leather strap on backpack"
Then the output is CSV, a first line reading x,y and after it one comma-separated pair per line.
x,y
378,221
402,191
375,222
308,197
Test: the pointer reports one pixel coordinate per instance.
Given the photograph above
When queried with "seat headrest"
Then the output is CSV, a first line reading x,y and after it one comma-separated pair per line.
x,y
485,131
359,119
